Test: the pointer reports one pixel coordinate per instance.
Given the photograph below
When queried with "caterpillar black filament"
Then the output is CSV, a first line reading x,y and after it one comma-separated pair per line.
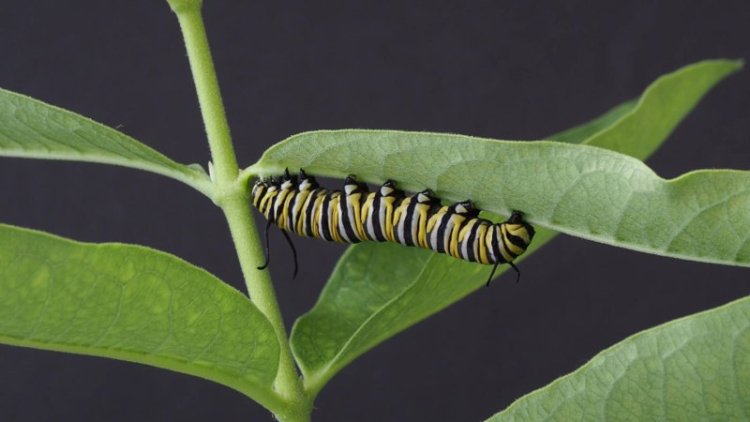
x,y
301,206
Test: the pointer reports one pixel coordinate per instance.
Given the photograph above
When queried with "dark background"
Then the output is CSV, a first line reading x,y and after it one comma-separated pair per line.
x,y
508,70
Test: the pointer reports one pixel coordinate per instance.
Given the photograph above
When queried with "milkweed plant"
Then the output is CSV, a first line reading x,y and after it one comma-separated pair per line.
x,y
146,306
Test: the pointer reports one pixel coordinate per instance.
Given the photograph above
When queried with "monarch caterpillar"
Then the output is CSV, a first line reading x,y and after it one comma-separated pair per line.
x,y
388,214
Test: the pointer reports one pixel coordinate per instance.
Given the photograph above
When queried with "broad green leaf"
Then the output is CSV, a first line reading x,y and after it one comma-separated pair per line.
x,y
373,292
576,189
661,107
376,291
30,128
694,368
132,303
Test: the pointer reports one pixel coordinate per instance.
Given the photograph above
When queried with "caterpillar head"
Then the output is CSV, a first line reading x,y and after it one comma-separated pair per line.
x,y
260,188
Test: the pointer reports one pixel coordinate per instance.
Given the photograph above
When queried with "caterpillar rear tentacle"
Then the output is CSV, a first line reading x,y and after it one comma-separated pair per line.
x,y
355,214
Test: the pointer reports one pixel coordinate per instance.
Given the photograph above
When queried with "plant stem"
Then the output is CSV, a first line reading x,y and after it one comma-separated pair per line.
x,y
246,240
209,94
233,197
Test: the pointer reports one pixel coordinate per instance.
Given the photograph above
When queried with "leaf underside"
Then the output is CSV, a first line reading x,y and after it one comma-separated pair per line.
x,y
378,290
576,189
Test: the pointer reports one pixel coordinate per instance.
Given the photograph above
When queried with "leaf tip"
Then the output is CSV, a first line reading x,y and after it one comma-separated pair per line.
x,y
734,65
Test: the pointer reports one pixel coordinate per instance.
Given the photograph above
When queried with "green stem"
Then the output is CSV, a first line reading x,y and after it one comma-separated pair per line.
x,y
209,94
245,235
233,197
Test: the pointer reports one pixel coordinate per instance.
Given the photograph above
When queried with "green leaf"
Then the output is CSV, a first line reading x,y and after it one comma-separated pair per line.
x,y
378,290
30,128
576,189
662,107
694,368
132,303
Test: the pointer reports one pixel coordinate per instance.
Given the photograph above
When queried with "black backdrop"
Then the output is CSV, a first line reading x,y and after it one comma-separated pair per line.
x,y
508,70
